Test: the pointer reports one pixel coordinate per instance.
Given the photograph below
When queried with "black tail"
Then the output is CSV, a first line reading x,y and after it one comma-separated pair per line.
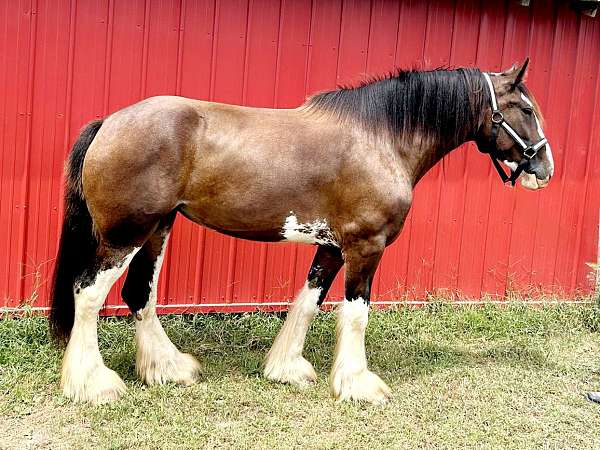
x,y
78,244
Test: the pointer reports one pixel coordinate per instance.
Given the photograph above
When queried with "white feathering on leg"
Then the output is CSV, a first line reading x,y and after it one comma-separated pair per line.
x,y
84,377
350,379
284,362
158,360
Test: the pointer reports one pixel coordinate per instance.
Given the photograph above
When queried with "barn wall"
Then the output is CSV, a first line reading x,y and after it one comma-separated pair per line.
x,y
64,62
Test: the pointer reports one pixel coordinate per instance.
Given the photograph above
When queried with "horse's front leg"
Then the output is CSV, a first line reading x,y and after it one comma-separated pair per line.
x,y
350,379
284,362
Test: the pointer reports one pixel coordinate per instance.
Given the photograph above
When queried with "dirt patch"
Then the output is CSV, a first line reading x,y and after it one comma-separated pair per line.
x,y
42,428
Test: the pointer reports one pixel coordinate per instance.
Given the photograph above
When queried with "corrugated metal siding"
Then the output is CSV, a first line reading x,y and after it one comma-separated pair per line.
x,y
64,62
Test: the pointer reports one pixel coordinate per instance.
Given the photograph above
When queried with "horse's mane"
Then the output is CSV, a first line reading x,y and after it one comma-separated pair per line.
x,y
446,105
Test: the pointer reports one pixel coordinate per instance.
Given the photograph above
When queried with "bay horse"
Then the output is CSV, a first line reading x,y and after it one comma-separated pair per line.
x,y
337,172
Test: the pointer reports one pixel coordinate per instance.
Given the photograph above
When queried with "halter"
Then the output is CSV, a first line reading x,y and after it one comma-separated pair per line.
x,y
529,151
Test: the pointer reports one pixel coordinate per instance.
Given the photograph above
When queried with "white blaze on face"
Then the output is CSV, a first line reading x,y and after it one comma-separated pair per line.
x,y
541,134
315,232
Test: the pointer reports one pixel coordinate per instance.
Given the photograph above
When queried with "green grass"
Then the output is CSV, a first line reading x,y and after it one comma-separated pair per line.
x,y
483,377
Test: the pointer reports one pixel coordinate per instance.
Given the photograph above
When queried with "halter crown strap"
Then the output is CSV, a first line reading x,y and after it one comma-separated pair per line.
x,y
492,92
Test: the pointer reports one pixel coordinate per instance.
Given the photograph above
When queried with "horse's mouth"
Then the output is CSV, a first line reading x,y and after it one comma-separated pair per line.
x,y
531,182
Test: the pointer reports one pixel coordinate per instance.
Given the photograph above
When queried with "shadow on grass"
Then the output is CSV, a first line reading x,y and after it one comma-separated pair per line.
x,y
236,345
400,343
421,357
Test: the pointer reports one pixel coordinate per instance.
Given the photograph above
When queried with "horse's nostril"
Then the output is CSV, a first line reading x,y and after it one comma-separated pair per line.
x,y
542,183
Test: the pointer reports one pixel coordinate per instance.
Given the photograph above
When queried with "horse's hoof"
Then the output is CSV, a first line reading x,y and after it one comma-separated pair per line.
x,y
594,397
297,371
360,387
180,368
101,385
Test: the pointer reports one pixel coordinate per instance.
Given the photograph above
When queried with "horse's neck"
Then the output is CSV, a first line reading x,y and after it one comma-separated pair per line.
x,y
421,151
421,154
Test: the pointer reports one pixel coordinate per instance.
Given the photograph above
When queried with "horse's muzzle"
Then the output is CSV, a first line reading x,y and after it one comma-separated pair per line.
x,y
532,182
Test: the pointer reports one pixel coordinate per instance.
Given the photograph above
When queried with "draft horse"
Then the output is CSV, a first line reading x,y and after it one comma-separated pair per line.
x,y
337,172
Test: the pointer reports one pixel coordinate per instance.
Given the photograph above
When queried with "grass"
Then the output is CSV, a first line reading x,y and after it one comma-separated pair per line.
x,y
477,377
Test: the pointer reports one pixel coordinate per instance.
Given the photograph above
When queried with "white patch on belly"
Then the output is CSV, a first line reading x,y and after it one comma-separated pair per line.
x,y
315,232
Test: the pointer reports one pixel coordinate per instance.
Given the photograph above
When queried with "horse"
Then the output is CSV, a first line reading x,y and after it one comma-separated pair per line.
x,y
337,172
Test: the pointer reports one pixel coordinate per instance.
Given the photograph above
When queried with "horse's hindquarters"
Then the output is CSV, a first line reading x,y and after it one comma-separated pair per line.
x,y
134,171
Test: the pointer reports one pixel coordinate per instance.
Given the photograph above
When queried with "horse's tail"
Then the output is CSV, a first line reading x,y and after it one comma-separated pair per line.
x,y
78,243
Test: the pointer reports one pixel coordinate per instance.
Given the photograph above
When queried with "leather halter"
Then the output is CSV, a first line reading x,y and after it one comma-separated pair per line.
x,y
529,151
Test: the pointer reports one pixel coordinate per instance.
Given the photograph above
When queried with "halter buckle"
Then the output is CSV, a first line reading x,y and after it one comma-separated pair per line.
x,y
497,117
530,152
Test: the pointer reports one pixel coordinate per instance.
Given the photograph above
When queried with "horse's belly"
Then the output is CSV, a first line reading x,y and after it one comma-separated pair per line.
x,y
266,225
226,225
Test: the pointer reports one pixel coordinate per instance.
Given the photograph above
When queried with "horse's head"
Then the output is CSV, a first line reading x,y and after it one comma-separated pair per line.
x,y
512,130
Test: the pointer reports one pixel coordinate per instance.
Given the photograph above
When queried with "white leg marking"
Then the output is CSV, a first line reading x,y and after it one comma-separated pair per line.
x,y
84,376
350,379
157,359
284,362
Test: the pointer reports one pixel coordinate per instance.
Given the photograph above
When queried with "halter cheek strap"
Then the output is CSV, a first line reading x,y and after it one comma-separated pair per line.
x,y
497,118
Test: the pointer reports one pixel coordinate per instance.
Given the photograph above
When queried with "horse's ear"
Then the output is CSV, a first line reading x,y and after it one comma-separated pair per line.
x,y
521,73
511,71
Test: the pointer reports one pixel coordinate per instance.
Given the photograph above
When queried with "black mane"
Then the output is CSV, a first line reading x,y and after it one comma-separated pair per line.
x,y
446,105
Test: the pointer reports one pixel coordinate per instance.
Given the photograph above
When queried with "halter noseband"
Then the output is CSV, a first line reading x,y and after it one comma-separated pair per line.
x,y
529,151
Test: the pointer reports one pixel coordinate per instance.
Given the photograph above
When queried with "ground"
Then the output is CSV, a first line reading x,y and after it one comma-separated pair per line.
x,y
485,377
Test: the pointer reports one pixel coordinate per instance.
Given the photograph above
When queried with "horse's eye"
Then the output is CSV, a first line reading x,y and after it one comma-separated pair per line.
x,y
528,111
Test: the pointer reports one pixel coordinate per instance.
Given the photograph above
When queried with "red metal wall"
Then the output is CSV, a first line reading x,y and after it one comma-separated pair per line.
x,y
64,62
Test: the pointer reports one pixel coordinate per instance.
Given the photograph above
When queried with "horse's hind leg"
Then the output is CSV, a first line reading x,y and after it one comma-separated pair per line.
x,y
84,376
157,359
284,361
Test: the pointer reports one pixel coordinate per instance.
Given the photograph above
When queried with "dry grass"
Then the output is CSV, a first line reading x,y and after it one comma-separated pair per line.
x,y
476,377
